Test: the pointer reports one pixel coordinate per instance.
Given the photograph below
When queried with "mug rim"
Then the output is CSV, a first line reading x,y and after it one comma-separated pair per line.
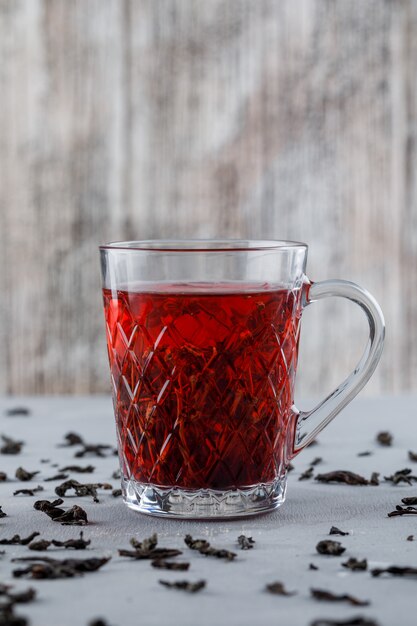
x,y
204,245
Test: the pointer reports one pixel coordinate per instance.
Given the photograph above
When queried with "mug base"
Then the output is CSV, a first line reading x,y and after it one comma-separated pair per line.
x,y
174,502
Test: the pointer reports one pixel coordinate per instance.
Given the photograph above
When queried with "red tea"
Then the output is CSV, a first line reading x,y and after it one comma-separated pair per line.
x,y
203,382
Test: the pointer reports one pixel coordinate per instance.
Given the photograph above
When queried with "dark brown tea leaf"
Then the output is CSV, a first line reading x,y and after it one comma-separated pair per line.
x,y
17,411
47,568
399,510
23,475
409,500
342,476
156,553
184,585
18,540
278,589
76,516
86,469
28,492
402,476
384,438
10,445
149,543
350,621
313,567
76,544
374,480
336,531
412,456
245,543
71,439
328,596
3,477
410,538
86,489
2,513
394,570
203,547
364,453
40,546
329,547
60,476
171,565
116,493
307,474
355,565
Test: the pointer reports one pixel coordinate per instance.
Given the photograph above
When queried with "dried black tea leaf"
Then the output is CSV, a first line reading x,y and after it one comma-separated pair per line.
x,y
409,500
336,531
116,493
316,461
17,540
410,538
3,477
399,510
9,618
20,597
45,460
402,476
313,567
116,475
323,594
86,469
278,589
97,449
47,568
76,544
171,565
307,474
39,546
149,543
17,411
384,438
342,476
394,570
157,553
56,477
412,456
290,467
98,622
245,543
86,489
350,621
23,475
203,547
71,439
10,446
355,565
374,480
28,492
185,585
365,453
76,516
330,547
2,513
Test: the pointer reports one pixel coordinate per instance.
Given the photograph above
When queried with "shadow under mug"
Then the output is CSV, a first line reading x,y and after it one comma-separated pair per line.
x,y
202,339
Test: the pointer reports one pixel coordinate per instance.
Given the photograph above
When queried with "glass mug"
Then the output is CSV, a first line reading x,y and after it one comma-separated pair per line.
x,y
202,339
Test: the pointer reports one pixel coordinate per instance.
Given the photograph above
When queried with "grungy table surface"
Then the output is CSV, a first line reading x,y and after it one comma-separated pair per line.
x,y
127,593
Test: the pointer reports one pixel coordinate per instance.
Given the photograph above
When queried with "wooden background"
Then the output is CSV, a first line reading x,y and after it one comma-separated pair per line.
x,y
232,118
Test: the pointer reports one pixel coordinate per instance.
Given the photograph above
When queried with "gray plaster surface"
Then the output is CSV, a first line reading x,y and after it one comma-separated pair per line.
x,y
128,594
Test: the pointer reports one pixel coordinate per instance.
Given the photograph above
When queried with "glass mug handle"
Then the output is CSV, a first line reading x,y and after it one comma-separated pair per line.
x,y
310,423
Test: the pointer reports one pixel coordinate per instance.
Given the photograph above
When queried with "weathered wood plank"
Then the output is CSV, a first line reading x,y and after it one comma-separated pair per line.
x,y
164,118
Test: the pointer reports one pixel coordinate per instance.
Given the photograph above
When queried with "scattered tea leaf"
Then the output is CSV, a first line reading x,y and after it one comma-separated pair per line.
x,y
185,585
290,467
45,460
17,411
39,546
410,538
48,568
76,544
9,618
278,589
116,493
23,475
336,531
71,439
149,543
307,474
116,475
98,622
409,500
76,516
153,555
384,438
412,456
328,596
10,446
350,621
313,567
203,547
28,492
17,540
342,476
394,570
60,476
3,477
330,547
18,597
401,476
399,510
87,469
86,489
316,461
2,513
171,565
245,543
355,565
365,453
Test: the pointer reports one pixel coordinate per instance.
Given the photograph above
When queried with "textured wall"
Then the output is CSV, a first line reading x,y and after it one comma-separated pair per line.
x,y
163,118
